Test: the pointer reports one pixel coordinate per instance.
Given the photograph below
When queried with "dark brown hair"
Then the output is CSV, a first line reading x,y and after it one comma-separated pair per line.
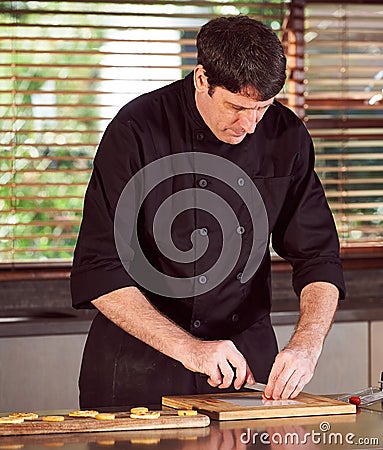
x,y
240,52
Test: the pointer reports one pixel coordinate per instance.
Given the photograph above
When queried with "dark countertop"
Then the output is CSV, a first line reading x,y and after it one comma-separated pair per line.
x,y
43,307
26,322
287,312
357,431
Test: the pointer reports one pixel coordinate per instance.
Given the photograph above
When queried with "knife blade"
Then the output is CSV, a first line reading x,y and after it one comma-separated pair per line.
x,y
256,386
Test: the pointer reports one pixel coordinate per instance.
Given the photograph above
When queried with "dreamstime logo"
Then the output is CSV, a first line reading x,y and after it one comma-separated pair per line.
x,y
324,426
148,178
298,436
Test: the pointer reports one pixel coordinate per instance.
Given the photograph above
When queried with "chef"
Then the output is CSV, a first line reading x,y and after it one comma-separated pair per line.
x,y
190,184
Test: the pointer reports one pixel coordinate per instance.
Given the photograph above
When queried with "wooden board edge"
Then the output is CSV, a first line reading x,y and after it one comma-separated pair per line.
x,y
198,421
175,404
273,414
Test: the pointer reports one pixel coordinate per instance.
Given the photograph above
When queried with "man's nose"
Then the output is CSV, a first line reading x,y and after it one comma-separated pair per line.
x,y
249,120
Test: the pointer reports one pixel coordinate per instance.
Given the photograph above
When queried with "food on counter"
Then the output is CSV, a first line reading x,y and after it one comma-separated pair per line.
x,y
12,446
146,415
139,409
83,413
25,415
187,412
8,419
53,418
55,444
145,441
105,416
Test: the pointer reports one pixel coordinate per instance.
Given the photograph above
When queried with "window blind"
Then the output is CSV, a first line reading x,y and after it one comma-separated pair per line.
x,y
344,113
66,69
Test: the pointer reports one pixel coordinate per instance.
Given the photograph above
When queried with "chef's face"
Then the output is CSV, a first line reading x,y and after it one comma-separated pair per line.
x,y
229,116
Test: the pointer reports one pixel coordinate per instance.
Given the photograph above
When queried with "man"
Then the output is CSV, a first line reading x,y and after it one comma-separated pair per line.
x,y
147,340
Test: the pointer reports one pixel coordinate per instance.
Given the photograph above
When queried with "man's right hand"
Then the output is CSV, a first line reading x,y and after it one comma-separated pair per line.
x,y
221,361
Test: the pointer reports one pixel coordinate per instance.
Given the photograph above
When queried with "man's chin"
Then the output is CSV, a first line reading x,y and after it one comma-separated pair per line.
x,y
232,138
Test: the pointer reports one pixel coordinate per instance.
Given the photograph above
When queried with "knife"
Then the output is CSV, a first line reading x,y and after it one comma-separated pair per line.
x,y
256,386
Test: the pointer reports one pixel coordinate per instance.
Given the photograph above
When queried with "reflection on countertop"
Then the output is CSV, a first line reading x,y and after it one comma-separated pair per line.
x,y
361,430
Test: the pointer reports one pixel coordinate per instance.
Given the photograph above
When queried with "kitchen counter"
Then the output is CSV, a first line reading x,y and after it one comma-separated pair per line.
x,y
27,322
38,328
43,307
361,430
35,322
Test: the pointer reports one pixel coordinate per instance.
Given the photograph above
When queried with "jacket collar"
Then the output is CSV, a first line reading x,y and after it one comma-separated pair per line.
x,y
192,109
193,113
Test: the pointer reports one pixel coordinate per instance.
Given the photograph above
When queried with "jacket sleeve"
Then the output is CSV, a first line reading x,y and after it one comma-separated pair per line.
x,y
305,233
97,268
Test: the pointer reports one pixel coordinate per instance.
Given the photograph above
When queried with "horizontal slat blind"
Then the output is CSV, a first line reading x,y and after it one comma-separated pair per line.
x,y
65,70
344,112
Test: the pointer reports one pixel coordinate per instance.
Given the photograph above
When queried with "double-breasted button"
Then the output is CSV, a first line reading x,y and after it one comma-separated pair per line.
x,y
203,231
239,276
197,323
200,136
202,183
235,317
240,181
202,279
240,229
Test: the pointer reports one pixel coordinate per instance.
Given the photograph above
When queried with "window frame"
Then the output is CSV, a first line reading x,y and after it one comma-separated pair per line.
x,y
353,258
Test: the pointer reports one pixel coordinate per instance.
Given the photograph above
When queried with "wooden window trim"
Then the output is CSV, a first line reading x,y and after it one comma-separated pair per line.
x,y
367,258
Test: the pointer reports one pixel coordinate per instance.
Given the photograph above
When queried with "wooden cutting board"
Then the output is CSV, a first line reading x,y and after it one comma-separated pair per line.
x,y
121,439
122,422
250,405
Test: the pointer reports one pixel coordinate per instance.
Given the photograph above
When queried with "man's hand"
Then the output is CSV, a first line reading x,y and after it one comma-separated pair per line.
x,y
221,361
294,366
291,371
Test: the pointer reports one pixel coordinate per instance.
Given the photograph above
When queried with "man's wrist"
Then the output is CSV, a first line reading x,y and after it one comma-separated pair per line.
x,y
184,348
306,342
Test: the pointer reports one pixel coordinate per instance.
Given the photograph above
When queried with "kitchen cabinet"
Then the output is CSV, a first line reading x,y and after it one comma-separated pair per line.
x,y
40,372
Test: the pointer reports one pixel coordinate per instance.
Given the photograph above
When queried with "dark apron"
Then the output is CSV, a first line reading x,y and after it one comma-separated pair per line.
x,y
119,370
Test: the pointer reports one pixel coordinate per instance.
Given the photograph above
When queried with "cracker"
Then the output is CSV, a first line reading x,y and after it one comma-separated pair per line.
x,y
7,419
139,409
53,418
187,412
83,413
146,415
25,415
105,416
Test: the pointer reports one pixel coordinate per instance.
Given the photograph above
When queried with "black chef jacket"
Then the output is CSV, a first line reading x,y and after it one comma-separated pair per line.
x,y
118,369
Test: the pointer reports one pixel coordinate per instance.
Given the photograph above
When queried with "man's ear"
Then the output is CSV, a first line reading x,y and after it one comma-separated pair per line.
x,y
200,79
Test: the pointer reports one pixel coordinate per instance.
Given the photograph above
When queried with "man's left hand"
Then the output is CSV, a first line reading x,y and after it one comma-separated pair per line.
x,y
293,368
